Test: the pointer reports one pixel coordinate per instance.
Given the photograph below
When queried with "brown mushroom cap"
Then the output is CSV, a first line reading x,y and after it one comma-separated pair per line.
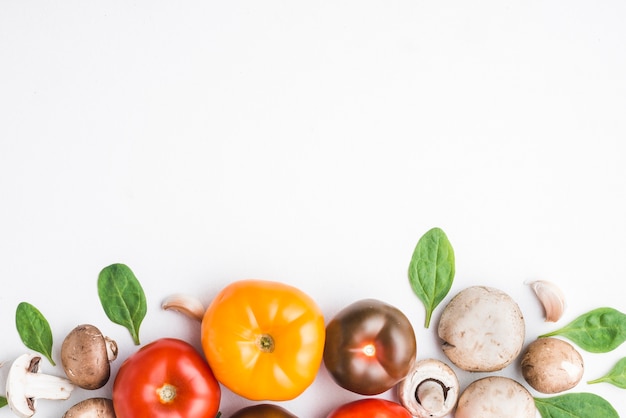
x,y
85,357
91,408
482,329
551,365
495,397
263,411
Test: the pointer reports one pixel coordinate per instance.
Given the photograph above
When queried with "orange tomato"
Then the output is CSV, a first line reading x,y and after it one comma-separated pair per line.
x,y
263,340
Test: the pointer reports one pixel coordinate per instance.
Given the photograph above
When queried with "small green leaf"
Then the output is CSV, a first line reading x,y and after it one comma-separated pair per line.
x,y
575,405
616,376
431,270
34,329
3,401
122,298
598,331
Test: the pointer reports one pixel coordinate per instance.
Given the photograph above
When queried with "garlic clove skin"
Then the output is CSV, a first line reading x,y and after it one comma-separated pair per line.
x,y
551,297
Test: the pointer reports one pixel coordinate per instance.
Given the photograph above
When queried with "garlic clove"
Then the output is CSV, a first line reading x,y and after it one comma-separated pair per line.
x,y
185,304
551,297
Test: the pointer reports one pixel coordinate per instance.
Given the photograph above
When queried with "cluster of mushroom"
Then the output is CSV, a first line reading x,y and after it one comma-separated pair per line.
x,y
483,330
85,356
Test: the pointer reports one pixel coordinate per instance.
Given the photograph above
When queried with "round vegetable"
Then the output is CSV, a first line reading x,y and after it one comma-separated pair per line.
x,y
551,365
263,411
482,329
370,408
370,346
264,340
167,378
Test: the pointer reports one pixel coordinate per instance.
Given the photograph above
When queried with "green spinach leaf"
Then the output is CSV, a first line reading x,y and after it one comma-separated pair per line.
x,y
34,329
616,376
3,401
598,331
431,270
122,298
575,405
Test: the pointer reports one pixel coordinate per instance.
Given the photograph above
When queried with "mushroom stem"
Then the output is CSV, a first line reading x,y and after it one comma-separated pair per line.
x,y
111,347
185,304
45,386
432,394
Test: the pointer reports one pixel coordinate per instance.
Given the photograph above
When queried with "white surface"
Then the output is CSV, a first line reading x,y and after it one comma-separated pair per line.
x,y
204,142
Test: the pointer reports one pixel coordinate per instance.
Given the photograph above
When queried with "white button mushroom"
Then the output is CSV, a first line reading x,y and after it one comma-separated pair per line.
x,y
25,384
430,390
496,397
482,329
551,365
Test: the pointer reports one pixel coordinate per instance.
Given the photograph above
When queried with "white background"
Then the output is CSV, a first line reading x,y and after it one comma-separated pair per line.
x,y
202,142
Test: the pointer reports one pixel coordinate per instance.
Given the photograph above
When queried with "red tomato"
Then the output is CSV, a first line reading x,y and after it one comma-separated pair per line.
x,y
370,408
166,378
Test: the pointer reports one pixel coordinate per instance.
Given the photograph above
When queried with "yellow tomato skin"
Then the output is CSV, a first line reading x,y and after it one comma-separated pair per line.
x,y
264,340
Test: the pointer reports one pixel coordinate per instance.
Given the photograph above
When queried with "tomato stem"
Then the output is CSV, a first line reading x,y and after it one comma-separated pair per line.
x,y
265,342
166,393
